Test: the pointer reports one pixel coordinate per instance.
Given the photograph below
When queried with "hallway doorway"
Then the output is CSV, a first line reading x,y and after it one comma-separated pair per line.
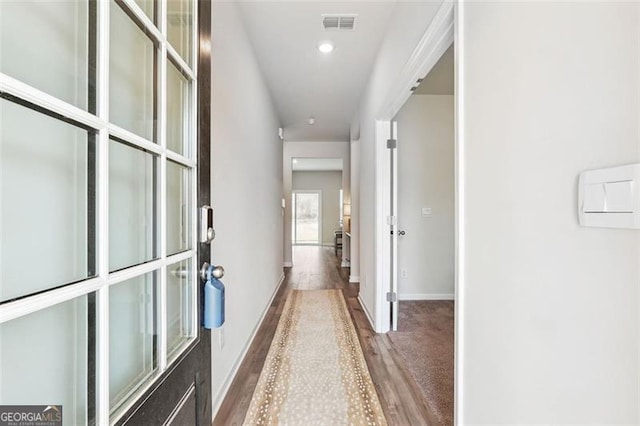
x,y
422,237
307,217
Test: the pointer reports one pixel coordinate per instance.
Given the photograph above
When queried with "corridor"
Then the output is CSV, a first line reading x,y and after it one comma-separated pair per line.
x,y
317,267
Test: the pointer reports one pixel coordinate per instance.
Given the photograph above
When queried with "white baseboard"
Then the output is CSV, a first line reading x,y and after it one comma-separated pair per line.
x,y
219,398
366,312
354,279
426,296
288,264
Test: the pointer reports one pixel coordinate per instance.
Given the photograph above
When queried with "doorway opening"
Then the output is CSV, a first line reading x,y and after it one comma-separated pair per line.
x,y
307,217
317,203
423,236
419,198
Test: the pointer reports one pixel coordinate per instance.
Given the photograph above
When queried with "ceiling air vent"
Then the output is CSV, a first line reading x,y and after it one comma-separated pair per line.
x,y
338,22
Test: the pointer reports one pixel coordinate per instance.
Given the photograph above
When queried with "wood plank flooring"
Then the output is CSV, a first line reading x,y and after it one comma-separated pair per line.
x,y
318,268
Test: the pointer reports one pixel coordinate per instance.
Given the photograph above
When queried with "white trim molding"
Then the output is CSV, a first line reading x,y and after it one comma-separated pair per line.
x,y
354,279
219,397
434,43
366,312
287,264
426,296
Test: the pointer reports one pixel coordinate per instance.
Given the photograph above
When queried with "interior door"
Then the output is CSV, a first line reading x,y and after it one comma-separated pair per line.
x,y
104,158
393,158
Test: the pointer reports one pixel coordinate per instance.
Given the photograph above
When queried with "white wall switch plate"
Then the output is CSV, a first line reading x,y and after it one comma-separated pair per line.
x,y
608,198
427,211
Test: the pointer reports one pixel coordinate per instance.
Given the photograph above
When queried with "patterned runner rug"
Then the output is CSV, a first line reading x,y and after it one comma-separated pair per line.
x,y
315,372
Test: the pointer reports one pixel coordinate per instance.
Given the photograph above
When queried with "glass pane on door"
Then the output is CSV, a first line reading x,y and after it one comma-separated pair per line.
x,y
45,197
45,360
148,7
180,27
132,205
179,212
40,35
132,336
132,76
178,117
307,218
180,303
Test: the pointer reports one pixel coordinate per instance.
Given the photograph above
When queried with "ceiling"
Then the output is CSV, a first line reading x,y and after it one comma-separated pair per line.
x,y
440,80
316,164
305,82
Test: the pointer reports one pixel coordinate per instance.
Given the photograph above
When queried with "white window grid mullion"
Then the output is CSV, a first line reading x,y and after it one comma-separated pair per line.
x,y
102,295
159,32
146,21
162,102
162,19
195,38
193,124
134,139
162,319
184,67
31,304
37,97
180,159
179,257
134,271
193,153
194,326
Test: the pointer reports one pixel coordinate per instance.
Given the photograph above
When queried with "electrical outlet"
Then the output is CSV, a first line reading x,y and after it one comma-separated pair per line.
x,y
404,273
221,337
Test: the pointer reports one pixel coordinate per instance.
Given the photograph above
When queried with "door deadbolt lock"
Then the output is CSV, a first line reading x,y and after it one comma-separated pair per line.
x,y
206,231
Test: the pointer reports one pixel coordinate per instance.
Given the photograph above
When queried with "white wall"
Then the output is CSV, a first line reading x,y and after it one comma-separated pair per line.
x,y
246,189
407,26
425,179
550,309
330,183
293,150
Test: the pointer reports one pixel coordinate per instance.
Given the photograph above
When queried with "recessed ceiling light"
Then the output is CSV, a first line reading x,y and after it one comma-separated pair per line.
x,y
326,47
311,121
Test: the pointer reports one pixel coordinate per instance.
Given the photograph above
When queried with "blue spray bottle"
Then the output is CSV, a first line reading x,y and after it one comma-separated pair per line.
x,y
213,298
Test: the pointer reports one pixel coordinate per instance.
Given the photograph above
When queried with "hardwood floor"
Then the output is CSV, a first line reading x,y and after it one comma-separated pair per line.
x,y
318,268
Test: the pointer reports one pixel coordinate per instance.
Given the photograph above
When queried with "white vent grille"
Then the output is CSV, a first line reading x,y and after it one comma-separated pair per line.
x,y
338,22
